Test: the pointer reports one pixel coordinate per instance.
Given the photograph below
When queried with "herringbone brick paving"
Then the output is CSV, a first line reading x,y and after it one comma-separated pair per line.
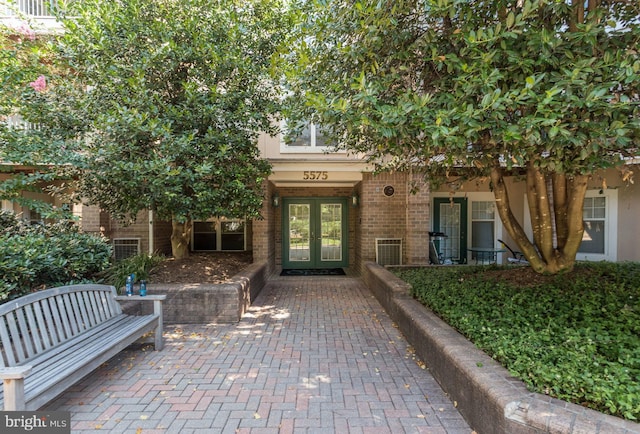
x,y
312,355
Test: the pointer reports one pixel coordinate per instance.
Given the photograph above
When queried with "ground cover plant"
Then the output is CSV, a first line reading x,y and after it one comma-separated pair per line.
x,y
574,336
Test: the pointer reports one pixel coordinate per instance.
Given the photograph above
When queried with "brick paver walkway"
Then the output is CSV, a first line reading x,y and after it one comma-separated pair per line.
x,y
313,355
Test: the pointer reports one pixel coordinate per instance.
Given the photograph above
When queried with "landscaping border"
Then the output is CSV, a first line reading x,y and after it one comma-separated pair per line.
x,y
489,398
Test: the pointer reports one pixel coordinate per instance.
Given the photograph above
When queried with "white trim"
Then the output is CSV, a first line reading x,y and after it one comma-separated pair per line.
x,y
610,227
477,196
7,205
151,240
311,149
611,223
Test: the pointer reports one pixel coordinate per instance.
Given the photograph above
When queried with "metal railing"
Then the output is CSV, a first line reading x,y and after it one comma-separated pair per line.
x,y
33,8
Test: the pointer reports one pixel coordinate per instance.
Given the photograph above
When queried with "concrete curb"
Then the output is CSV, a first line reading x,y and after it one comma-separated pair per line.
x,y
489,398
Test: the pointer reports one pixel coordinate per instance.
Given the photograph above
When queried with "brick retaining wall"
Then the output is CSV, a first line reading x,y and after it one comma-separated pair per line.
x,y
489,398
200,303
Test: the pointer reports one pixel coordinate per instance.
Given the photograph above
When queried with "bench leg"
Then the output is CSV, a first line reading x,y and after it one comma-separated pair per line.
x,y
157,310
14,394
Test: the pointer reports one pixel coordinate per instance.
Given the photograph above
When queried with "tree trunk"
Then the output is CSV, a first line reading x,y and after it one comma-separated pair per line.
x,y
555,207
180,237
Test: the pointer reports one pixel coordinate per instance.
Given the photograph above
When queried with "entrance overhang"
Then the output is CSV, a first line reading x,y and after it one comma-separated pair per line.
x,y
316,174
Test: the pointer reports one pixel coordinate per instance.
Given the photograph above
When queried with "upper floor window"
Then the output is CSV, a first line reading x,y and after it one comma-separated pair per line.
x,y
309,139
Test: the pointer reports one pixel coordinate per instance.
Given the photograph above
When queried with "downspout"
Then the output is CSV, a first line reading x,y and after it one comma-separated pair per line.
x,y
151,246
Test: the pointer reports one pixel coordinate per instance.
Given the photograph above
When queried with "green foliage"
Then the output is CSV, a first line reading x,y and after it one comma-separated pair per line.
x,y
39,256
461,89
473,81
572,336
179,92
141,265
27,56
146,104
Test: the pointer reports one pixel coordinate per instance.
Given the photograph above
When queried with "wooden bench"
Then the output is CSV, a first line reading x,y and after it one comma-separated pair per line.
x,y
53,338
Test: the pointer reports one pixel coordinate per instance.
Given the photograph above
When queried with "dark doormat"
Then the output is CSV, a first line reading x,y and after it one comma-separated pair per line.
x,y
313,272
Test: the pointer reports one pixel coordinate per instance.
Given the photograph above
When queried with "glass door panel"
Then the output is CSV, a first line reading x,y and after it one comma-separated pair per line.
x,y
299,220
314,233
331,232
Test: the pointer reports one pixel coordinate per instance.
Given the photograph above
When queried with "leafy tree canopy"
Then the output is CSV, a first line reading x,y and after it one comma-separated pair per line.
x,y
158,104
548,88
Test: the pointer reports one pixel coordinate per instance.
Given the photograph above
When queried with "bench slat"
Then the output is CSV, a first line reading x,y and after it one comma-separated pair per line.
x,y
95,306
41,338
33,330
57,328
64,318
74,314
25,332
13,331
87,311
45,323
7,357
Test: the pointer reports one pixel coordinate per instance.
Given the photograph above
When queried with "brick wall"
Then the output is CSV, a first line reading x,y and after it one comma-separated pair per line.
x,y
161,237
263,231
418,217
90,219
138,229
382,216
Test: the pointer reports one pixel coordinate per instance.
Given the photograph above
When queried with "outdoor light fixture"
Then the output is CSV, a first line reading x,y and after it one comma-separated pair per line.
x,y
354,199
275,200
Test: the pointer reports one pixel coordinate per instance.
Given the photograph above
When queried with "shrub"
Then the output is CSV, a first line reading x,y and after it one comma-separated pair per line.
x,y
573,336
39,256
141,265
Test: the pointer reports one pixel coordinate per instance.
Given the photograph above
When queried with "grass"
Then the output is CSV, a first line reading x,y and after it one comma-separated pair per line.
x,y
574,336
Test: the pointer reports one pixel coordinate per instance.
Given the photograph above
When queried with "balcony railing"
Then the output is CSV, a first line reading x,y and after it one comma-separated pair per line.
x,y
33,8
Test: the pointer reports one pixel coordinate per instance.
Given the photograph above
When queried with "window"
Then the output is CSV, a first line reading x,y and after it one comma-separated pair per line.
x,y
205,236
17,122
232,235
218,234
594,216
599,213
310,139
483,216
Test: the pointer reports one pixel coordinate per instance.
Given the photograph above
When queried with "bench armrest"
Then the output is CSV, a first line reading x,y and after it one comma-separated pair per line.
x,y
157,297
15,372
157,311
13,386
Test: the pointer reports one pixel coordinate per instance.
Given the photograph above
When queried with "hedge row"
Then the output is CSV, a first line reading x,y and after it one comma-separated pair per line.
x,y
46,255
574,336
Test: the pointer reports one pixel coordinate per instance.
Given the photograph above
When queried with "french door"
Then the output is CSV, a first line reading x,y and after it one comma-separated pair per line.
x,y
314,233
450,217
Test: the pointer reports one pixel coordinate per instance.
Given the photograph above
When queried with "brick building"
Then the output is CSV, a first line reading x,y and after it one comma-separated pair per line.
x,y
327,209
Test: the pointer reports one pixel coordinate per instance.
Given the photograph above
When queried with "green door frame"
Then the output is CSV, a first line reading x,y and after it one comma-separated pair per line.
x,y
462,230
312,254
